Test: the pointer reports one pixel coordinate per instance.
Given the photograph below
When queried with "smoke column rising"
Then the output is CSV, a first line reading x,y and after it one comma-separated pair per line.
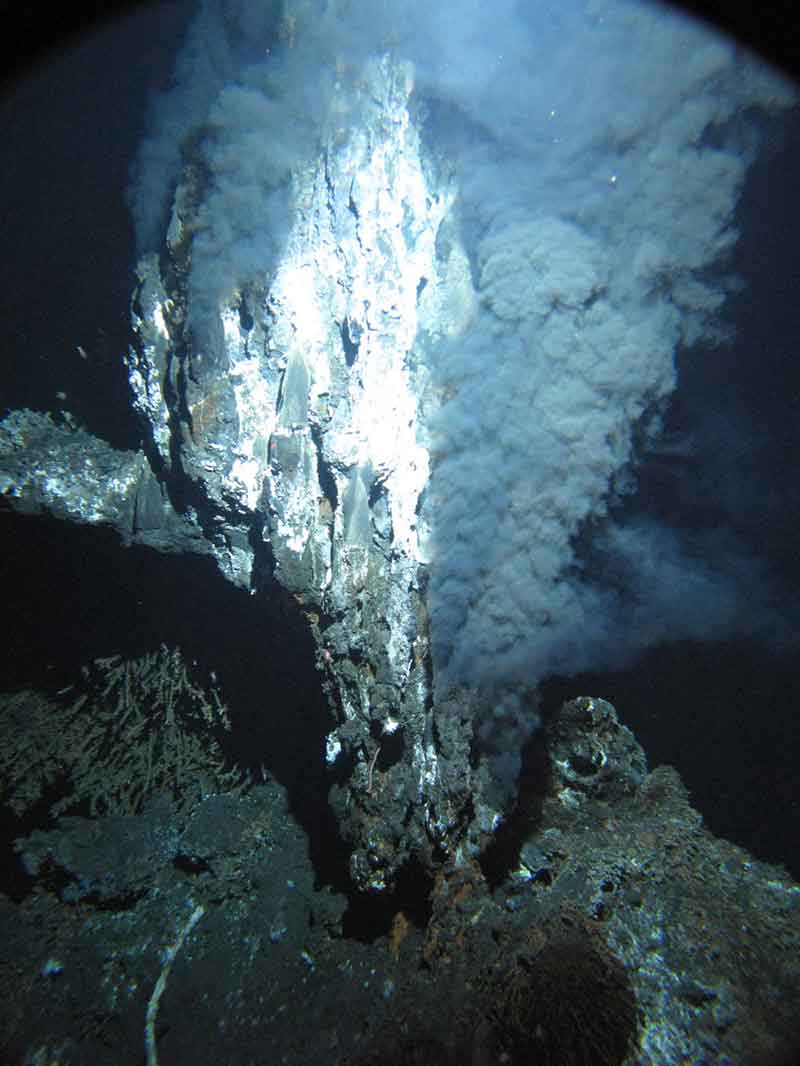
x,y
599,150
600,160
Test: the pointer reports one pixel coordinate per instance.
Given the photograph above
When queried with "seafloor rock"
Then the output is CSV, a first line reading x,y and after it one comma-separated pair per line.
x,y
612,929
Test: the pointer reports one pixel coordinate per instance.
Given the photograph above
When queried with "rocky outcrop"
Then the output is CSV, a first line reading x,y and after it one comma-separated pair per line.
x,y
293,425
286,435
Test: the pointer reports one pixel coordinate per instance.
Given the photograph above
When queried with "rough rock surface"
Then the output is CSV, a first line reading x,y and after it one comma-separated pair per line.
x,y
287,437
646,940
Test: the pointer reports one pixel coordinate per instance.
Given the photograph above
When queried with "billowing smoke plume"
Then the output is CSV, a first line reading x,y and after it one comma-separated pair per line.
x,y
601,156
599,150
